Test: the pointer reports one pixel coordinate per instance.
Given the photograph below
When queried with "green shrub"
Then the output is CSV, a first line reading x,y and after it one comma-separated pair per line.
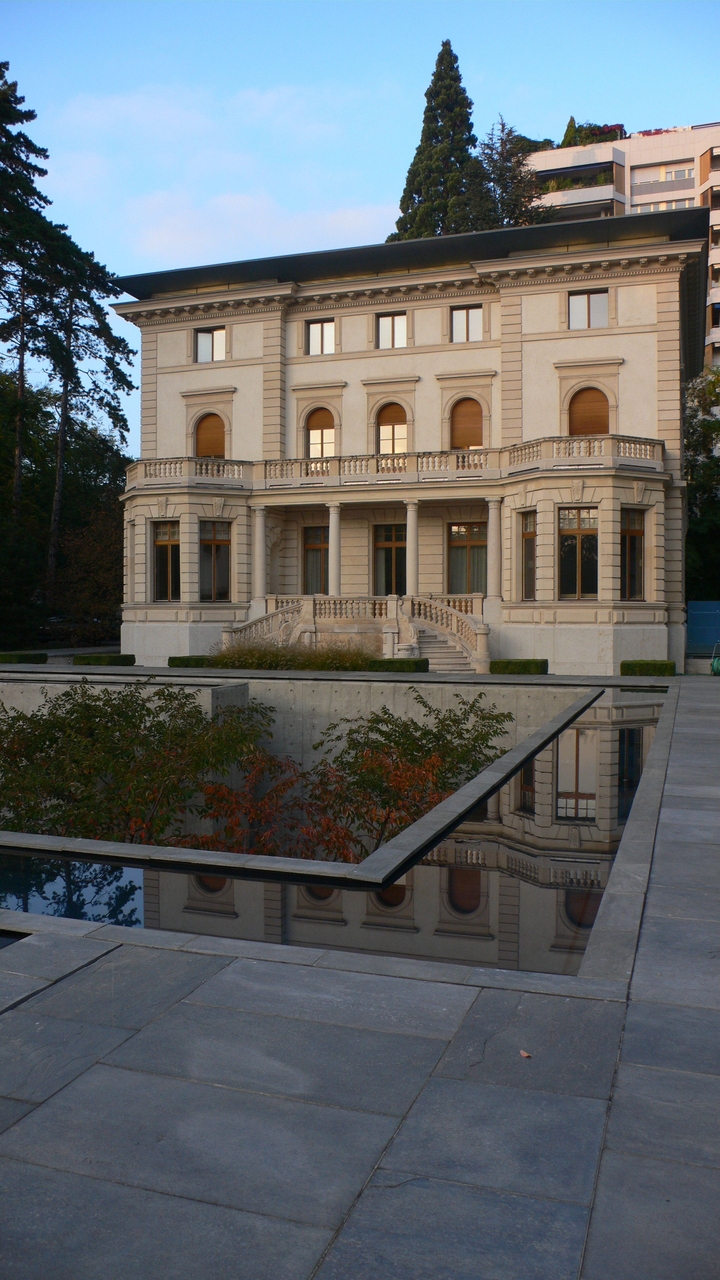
x,y
104,660
23,657
266,656
190,660
398,664
519,667
646,667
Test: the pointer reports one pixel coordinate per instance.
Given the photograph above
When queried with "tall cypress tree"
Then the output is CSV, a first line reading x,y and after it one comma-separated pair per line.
x,y
444,187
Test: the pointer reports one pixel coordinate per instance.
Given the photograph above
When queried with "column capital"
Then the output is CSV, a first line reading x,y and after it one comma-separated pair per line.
x,y
494,502
333,506
412,502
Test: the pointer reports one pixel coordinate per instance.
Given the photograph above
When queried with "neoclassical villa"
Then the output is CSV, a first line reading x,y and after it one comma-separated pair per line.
x,y
468,447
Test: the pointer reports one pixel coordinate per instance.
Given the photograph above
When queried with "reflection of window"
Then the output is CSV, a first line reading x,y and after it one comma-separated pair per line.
x,y
466,425
321,337
578,552
211,884
392,429
467,559
467,324
320,434
632,529
630,763
582,906
588,310
576,774
526,788
392,331
316,560
529,544
390,559
589,413
167,560
214,560
209,345
393,896
464,889
210,437
319,892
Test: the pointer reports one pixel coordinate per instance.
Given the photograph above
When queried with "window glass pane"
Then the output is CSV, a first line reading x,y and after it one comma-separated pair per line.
x,y
383,571
161,572
385,331
218,338
528,568
589,564
459,326
478,570
328,337
400,331
400,442
566,761
204,347
315,444
206,530
386,437
629,769
457,570
222,530
529,521
569,517
598,310
315,339
475,324
577,314
328,442
174,571
206,577
635,569
587,761
588,518
313,571
222,572
568,564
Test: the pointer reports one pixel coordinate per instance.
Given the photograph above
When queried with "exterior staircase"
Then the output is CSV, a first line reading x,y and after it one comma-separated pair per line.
x,y
442,655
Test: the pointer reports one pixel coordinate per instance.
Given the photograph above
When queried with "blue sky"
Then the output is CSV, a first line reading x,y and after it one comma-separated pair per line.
x,y
187,131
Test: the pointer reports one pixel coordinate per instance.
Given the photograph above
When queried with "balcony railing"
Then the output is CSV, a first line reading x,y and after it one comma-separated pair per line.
x,y
385,468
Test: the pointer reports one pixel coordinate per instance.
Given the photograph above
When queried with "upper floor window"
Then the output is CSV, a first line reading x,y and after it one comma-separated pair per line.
x,y
209,345
526,788
529,554
210,437
576,774
320,434
166,535
578,553
466,425
589,413
632,530
588,310
392,429
214,560
392,331
321,337
466,324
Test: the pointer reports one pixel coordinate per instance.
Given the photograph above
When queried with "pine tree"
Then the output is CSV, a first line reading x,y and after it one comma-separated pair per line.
x,y
444,187
512,183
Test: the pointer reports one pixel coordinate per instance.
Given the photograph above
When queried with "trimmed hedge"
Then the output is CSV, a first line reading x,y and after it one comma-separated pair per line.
x,y
646,667
519,667
23,657
398,664
373,664
191,660
104,660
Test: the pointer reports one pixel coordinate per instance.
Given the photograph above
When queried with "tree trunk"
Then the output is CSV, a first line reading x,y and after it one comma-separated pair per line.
x,y
20,415
54,538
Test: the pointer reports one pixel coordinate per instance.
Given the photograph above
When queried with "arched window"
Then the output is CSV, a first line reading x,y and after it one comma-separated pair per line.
x,y
392,429
211,884
320,434
582,906
393,896
589,413
210,437
464,889
466,425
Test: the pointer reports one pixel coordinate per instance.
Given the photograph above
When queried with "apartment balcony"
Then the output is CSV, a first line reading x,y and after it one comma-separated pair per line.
x,y
382,471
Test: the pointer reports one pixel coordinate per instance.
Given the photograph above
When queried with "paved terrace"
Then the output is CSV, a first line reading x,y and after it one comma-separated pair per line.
x,y
186,1107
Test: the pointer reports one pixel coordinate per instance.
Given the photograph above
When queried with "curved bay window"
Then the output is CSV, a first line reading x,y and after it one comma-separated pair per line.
x,y
392,432
589,413
390,559
578,553
466,425
320,428
467,559
210,437
166,534
316,541
632,531
214,560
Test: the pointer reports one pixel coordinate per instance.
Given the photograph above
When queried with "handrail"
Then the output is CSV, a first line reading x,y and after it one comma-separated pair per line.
x,y
381,868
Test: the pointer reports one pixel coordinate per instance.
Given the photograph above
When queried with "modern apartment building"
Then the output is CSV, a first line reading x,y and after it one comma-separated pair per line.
x,y
467,446
648,172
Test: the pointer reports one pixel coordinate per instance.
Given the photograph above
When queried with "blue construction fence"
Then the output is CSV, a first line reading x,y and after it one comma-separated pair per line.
x,y
703,626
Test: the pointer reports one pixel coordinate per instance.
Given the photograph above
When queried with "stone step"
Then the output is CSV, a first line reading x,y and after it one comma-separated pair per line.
x,y
441,653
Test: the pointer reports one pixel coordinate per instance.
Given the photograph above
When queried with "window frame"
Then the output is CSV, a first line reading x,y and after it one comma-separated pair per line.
x,y
403,427
395,543
632,545
394,316
526,788
322,545
214,541
465,311
528,538
323,432
323,326
588,294
214,359
580,532
576,796
171,545
468,543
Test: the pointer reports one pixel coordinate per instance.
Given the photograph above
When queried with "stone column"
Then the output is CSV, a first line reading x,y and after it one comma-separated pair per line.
x,y
494,550
259,548
412,554
334,549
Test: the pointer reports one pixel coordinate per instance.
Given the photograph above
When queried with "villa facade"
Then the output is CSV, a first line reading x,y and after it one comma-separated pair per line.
x,y
469,446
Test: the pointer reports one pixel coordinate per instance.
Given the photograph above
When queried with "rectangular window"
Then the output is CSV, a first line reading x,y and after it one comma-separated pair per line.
x,y
321,338
529,554
209,345
526,788
577,774
167,559
630,764
466,324
392,437
214,560
578,553
390,559
392,331
467,559
588,310
632,531
316,560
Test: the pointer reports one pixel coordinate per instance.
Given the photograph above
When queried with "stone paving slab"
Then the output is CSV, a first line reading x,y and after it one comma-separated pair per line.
x,y
672,1036
59,1226
51,956
413,1228
684,904
29,922
509,1139
248,950
243,1150
369,1001
12,1110
669,1115
39,1055
15,988
342,1066
572,1043
680,966
394,966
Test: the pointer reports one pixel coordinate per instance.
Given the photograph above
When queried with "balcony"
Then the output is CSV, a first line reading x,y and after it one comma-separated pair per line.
x,y
384,470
